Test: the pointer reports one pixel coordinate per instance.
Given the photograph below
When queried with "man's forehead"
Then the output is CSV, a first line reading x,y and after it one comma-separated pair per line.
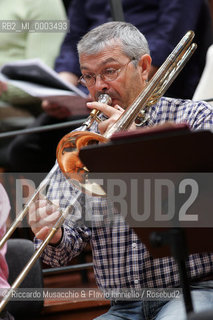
x,y
109,54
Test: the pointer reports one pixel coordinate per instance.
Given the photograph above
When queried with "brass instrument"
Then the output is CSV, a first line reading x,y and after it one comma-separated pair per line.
x,y
87,124
103,98
69,146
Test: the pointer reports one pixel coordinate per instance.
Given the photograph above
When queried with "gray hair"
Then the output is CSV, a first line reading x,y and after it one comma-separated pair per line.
x,y
133,42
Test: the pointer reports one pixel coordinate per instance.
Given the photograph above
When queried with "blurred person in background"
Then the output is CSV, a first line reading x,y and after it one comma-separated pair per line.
x,y
28,45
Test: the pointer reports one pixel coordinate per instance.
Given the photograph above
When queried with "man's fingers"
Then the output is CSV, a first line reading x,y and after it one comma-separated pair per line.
x,y
48,222
44,216
55,110
42,213
38,205
117,107
42,234
3,87
45,103
107,110
113,114
104,125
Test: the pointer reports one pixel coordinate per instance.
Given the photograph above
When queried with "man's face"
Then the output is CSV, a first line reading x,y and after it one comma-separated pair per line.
x,y
130,81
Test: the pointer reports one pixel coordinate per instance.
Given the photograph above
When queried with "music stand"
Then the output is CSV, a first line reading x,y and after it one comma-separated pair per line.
x,y
169,149
159,149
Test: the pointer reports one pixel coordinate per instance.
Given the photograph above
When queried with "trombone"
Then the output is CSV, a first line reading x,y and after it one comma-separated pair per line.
x,y
67,150
69,146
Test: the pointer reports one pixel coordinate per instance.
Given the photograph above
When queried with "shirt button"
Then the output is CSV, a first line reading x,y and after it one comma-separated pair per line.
x,y
134,245
136,281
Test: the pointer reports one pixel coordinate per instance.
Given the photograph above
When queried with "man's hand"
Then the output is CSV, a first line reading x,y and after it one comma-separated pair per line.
x,y
75,106
42,217
69,77
113,113
3,87
63,108
55,110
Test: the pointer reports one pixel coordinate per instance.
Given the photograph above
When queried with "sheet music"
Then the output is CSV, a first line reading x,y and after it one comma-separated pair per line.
x,y
38,80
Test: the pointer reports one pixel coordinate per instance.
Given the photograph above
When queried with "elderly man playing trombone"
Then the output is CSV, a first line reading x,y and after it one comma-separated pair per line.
x,y
115,60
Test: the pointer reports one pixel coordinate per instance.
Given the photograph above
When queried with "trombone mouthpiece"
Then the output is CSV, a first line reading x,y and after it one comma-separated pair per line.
x,y
105,98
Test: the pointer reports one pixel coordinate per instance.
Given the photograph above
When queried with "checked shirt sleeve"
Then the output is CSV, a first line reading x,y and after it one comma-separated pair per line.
x,y
75,237
197,114
72,243
203,114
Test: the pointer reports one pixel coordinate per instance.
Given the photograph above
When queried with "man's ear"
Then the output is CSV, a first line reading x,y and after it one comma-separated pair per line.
x,y
145,64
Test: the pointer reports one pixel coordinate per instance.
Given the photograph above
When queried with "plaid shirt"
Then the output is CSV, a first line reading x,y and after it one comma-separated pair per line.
x,y
120,259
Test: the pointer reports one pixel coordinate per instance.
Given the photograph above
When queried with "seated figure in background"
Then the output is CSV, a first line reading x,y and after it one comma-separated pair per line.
x,y
28,45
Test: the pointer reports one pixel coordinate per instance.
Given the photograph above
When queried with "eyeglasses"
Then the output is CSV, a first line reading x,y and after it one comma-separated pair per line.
x,y
108,74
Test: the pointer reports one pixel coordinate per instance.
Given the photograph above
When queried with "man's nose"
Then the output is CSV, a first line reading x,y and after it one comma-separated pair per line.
x,y
101,84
